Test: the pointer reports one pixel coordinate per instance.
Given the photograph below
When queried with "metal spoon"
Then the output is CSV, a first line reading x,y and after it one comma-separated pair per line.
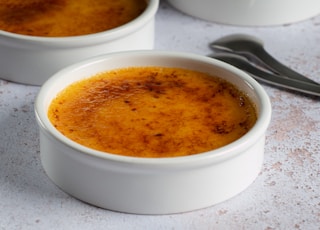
x,y
252,48
278,80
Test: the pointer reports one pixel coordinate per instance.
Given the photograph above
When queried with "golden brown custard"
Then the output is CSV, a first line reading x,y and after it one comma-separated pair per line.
x,y
152,112
57,18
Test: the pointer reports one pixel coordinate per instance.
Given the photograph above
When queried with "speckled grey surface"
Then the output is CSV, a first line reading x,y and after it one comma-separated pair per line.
x,y
286,194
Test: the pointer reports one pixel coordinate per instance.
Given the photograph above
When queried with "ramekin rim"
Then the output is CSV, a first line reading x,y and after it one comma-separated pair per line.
x,y
111,34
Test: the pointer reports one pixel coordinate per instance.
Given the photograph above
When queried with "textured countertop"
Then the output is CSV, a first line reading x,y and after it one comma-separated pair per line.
x,y
286,194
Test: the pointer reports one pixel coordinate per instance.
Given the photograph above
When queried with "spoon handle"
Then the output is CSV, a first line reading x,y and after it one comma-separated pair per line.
x,y
277,67
252,48
273,79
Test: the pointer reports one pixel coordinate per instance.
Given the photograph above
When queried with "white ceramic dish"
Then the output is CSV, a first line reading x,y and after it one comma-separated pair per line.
x,y
149,185
32,60
250,12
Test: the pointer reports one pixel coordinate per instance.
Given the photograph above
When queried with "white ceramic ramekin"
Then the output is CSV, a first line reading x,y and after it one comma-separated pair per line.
x,y
32,60
152,185
250,12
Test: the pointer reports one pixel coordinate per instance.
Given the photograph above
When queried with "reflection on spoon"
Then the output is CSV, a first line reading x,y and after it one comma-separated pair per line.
x,y
252,48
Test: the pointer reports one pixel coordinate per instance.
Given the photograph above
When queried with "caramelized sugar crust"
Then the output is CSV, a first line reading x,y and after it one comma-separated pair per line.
x,y
57,18
152,112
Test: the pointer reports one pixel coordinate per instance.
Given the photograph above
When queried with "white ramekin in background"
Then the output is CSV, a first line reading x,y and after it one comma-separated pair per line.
x,y
250,12
32,60
152,185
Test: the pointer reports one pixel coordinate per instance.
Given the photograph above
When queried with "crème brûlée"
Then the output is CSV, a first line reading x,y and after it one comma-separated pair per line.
x,y
59,18
152,112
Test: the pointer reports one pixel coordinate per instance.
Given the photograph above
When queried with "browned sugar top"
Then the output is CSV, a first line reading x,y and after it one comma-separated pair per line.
x,y
58,18
152,112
